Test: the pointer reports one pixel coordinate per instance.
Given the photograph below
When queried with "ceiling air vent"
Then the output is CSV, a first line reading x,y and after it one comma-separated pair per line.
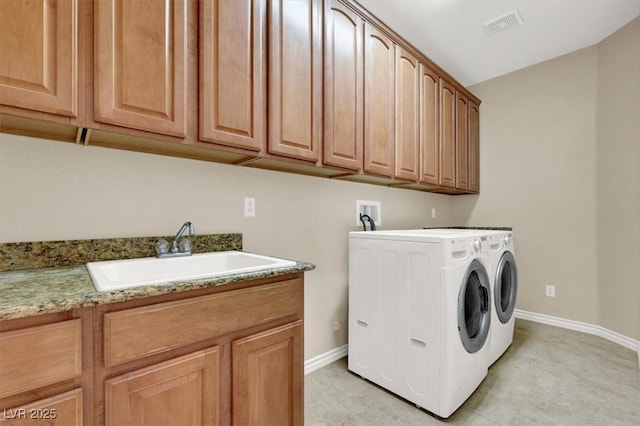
x,y
503,22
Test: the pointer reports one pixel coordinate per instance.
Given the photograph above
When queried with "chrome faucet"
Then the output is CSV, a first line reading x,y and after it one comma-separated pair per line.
x,y
179,246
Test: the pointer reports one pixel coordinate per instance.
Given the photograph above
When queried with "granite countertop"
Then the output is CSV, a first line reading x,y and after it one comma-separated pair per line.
x,y
47,277
41,291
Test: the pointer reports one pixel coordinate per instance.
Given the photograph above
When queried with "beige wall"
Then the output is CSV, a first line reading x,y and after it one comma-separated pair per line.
x,y
559,162
619,180
52,190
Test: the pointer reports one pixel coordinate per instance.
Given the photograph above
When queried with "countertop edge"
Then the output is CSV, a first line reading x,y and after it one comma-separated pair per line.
x,y
21,291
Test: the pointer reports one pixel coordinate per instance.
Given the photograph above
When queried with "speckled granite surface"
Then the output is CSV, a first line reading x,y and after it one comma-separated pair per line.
x,y
48,254
48,277
41,291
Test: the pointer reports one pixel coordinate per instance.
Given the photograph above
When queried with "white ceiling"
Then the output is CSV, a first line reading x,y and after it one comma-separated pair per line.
x,y
452,34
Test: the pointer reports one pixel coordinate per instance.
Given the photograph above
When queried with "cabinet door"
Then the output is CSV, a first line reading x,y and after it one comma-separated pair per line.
x,y
38,55
268,377
140,64
232,73
295,78
60,410
447,135
462,142
343,66
429,126
379,113
407,115
182,391
474,147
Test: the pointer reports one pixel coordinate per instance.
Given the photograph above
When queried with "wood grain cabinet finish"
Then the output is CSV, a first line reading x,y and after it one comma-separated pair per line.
x,y
231,357
35,357
132,334
232,73
462,142
60,410
343,86
140,72
295,78
267,377
429,126
474,147
182,391
407,125
447,135
379,101
38,55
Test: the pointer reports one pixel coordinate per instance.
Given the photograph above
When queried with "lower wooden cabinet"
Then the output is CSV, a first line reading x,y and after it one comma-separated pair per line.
x,y
184,390
207,357
61,410
268,377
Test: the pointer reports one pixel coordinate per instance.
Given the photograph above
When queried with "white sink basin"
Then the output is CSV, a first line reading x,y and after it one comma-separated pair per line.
x,y
127,273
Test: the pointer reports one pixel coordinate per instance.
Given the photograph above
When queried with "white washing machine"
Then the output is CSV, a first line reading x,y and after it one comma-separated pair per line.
x,y
504,286
420,314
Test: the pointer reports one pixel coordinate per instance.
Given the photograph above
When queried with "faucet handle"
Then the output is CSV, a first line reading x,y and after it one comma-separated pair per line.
x,y
162,247
185,245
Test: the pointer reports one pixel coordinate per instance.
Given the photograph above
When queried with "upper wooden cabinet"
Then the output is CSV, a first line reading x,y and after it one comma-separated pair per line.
x,y
429,126
407,125
232,73
307,86
474,147
295,78
462,142
343,91
379,101
140,73
38,55
447,176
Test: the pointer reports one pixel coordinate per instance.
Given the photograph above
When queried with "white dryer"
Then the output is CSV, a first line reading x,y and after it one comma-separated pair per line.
x,y
504,291
420,314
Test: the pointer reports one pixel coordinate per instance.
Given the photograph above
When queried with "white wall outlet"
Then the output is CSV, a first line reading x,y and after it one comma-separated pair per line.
x,y
433,213
551,291
336,325
371,208
249,207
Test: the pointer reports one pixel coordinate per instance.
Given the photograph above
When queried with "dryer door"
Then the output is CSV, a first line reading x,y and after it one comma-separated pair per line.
x,y
474,308
506,287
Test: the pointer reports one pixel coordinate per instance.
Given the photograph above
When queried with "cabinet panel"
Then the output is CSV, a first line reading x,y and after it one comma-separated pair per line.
x,y
38,51
295,78
462,142
132,334
232,73
429,126
342,143
39,356
60,410
447,135
268,377
379,114
474,147
182,391
140,64
407,115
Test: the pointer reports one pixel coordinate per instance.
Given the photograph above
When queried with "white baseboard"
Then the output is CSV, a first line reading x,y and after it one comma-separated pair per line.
x,y
333,355
326,358
582,327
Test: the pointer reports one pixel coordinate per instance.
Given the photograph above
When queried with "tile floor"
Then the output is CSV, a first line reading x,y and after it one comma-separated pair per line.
x,y
549,376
